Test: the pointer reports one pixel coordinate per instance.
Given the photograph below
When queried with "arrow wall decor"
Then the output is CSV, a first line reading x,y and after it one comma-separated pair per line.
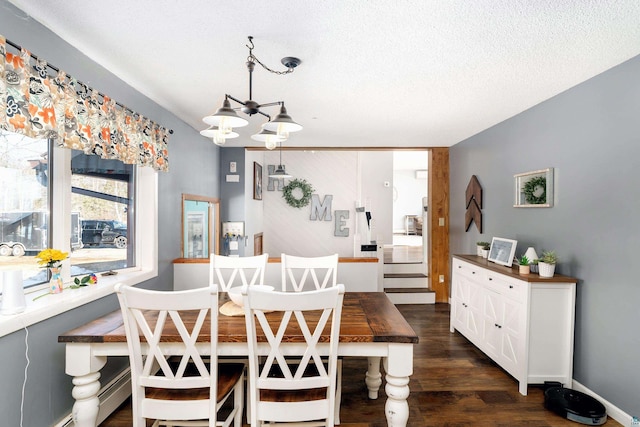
x,y
474,204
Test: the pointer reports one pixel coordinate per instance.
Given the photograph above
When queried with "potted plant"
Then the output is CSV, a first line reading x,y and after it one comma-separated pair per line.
x,y
485,250
547,263
480,246
523,265
533,265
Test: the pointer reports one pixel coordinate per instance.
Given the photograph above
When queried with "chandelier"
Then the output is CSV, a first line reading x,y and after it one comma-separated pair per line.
x,y
225,119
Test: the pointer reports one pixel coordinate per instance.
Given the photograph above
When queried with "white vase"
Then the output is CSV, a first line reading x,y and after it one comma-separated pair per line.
x,y
546,270
531,254
479,250
13,301
485,253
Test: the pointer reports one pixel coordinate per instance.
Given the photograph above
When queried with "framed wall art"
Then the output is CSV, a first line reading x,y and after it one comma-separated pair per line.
x,y
257,181
502,251
534,189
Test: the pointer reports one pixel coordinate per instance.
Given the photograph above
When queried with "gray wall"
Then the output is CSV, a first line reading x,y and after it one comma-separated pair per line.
x,y
590,135
193,169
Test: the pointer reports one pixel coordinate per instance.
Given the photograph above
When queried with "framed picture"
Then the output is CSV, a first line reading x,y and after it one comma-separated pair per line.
x,y
257,181
534,189
502,251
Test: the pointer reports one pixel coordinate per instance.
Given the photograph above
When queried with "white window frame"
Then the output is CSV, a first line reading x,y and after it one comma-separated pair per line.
x,y
146,248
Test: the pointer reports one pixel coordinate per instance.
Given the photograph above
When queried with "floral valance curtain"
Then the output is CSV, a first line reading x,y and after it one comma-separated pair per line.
x,y
38,105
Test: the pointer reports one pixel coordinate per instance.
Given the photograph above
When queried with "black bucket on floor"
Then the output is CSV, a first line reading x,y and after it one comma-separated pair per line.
x,y
574,405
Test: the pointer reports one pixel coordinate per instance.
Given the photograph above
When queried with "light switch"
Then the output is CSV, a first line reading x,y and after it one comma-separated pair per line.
x,y
441,222
233,178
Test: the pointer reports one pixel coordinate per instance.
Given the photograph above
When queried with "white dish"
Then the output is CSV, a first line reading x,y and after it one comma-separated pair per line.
x,y
235,293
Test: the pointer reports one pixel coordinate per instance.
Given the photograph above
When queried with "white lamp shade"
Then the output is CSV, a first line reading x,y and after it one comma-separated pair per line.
x,y
214,131
282,124
270,139
225,117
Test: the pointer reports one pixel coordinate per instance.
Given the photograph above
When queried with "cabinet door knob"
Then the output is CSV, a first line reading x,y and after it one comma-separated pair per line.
x,y
490,278
473,272
510,286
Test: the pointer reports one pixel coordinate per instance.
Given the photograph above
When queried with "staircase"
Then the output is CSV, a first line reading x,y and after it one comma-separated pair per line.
x,y
406,282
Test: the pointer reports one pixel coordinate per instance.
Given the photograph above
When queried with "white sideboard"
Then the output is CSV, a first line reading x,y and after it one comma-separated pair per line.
x,y
524,323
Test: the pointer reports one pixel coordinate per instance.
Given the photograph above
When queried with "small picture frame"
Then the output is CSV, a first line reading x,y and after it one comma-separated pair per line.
x,y
502,251
534,189
257,181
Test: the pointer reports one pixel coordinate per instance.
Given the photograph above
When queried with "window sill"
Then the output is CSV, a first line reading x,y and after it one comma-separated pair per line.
x,y
51,305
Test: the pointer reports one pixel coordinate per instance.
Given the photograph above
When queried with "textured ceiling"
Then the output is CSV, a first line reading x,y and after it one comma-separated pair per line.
x,y
374,73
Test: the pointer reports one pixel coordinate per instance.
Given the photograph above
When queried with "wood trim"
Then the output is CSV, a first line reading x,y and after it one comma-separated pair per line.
x,y
439,208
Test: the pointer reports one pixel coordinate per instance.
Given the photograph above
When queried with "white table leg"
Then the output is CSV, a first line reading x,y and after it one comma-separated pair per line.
x,y
85,369
373,378
85,392
399,366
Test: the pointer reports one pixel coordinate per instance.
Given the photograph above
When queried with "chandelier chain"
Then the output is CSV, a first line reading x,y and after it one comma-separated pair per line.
x,y
253,58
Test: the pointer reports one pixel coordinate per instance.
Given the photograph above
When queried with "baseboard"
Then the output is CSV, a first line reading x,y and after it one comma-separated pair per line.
x,y
111,397
612,411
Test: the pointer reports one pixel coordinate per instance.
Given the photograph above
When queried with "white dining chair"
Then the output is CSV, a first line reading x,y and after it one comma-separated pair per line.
x,y
227,272
310,272
293,384
300,273
163,389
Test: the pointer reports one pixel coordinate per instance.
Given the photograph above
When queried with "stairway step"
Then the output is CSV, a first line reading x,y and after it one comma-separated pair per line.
x,y
411,295
405,276
408,290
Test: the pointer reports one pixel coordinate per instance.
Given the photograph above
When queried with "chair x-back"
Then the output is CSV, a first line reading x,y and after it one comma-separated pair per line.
x,y
227,272
174,383
298,271
303,390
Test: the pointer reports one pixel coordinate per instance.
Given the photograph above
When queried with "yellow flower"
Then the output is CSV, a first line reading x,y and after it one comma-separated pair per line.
x,y
51,257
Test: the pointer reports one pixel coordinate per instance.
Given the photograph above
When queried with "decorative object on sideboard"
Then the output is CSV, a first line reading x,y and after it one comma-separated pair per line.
x,y
532,255
473,197
485,250
523,265
547,264
480,246
502,251
225,118
534,189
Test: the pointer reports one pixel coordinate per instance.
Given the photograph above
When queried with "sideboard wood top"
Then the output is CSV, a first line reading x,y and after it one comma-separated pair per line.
x,y
513,271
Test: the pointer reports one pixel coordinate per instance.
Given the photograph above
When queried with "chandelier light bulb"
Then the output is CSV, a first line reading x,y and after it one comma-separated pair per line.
x,y
270,144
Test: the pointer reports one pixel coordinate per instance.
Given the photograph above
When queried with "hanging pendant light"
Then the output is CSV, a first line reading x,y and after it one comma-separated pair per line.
x,y
270,139
218,136
280,171
226,118
282,124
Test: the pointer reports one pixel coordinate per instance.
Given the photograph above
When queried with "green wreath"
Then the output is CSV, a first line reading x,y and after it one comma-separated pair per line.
x,y
304,186
530,188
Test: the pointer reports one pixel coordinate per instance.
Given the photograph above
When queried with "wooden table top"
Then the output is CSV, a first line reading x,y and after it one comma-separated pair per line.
x,y
366,317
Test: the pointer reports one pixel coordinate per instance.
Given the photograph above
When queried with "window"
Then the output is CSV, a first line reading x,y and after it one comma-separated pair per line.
x,y
102,196
24,204
101,236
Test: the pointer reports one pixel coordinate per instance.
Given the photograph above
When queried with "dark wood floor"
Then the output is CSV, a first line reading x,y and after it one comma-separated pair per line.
x,y
453,385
